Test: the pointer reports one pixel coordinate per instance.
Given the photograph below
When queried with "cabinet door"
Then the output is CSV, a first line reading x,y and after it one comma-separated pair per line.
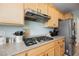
x,y
11,13
51,14
50,52
68,16
57,50
42,7
21,54
61,16
42,54
50,23
56,17
53,22
32,6
62,48
37,51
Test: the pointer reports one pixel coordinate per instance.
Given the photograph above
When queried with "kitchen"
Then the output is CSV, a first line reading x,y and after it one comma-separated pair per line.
x,y
38,29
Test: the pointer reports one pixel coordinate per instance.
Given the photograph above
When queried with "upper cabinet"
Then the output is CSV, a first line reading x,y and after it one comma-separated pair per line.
x,y
11,13
68,16
39,7
54,13
43,8
32,6
50,10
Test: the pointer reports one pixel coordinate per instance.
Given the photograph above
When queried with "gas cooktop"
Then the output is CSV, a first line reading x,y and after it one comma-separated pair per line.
x,y
35,40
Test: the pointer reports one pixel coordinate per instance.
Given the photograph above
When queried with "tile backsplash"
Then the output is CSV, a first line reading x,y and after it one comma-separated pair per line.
x,y
36,28
9,30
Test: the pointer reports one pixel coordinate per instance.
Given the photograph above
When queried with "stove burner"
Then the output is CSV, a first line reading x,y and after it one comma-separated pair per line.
x,y
30,41
44,38
35,40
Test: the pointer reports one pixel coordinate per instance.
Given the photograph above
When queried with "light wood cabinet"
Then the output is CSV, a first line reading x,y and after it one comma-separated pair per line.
x,y
53,22
61,16
30,6
57,50
43,8
54,48
62,50
68,16
39,7
11,13
51,52
21,54
37,51
47,9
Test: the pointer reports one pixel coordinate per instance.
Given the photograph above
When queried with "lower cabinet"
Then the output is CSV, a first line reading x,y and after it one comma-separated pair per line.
x,y
62,50
50,52
54,48
57,50
21,54
42,54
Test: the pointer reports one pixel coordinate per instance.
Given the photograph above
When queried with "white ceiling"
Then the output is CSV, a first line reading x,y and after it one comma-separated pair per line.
x,y
67,7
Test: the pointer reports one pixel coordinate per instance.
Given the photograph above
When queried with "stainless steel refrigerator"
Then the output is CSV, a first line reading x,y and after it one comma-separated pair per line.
x,y
67,29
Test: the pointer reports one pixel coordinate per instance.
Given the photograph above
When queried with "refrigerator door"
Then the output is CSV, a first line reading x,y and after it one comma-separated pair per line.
x,y
65,29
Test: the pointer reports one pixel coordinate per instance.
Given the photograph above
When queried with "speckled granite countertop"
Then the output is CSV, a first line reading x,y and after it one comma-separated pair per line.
x,y
15,48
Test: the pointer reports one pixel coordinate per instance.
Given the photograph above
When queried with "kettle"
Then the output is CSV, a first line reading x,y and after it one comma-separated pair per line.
x,y
18,36
54,32
18,33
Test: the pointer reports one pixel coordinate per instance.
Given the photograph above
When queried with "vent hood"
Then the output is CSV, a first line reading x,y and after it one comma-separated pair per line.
x,y
36,16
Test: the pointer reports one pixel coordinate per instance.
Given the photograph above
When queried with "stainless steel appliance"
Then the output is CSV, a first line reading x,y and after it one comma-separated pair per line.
x,y
67,29
35,40
33,15
29,41
43,38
